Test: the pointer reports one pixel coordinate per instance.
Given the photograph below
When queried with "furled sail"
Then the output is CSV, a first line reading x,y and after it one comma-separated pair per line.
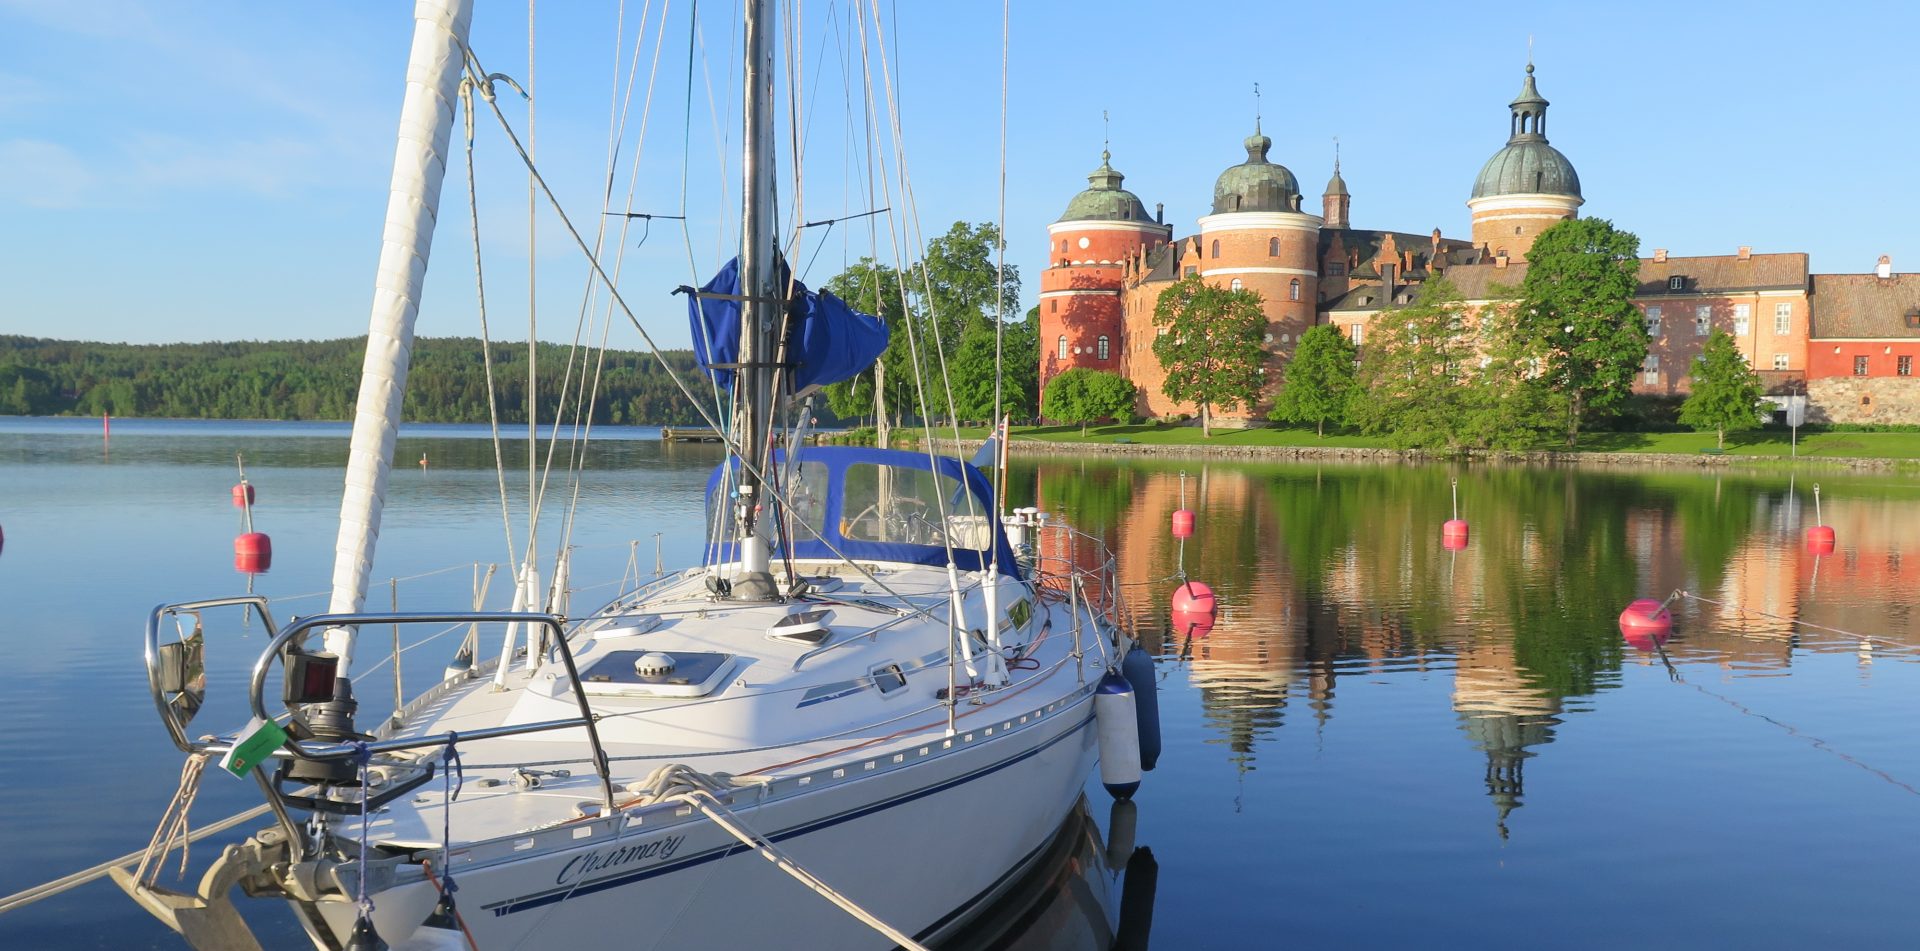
x,y
828,341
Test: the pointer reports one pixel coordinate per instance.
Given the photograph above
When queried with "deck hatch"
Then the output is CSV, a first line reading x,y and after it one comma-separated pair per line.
x,y
693,674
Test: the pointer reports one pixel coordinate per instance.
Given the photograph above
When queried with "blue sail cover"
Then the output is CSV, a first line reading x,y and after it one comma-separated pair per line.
x,y
832,341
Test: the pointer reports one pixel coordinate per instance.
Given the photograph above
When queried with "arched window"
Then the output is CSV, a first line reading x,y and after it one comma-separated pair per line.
x,y
1216,247
1063,346
1235,285
1273,247
1293,290
1103,347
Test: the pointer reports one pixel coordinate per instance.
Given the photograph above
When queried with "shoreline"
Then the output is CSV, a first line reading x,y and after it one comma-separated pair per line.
x,y
1354,454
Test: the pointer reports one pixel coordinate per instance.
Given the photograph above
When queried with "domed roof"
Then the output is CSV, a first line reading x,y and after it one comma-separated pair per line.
x,y
1527,165
1527,168
1104,199
1256,184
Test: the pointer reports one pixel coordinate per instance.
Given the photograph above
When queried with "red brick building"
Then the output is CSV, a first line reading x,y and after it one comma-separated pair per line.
x,y
1843,347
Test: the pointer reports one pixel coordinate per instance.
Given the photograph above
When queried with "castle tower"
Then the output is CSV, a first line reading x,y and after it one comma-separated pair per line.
x,y
1527,186
1257,238
1088,249
1335,201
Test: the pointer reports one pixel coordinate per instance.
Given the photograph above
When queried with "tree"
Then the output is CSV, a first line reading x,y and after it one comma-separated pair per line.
x,y
1082,395
1415,381
1319,380
1577,297
1508,403
1209,344
1726,393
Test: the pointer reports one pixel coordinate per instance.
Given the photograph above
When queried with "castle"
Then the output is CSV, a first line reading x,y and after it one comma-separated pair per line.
x,y
1828,347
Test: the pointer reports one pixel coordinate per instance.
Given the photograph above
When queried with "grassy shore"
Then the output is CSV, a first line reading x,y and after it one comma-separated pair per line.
x,y
1813,445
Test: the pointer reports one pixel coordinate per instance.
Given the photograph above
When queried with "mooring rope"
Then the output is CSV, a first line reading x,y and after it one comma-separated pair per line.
x,y
67,883
1870,638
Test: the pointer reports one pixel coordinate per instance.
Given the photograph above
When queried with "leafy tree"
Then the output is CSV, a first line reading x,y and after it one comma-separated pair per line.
x,y
1319,380
1209,345
1726,393
1508,404
948,303
1083,395
1577,297
1415,376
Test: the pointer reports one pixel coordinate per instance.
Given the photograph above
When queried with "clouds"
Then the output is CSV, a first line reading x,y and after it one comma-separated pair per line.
x,y
39,174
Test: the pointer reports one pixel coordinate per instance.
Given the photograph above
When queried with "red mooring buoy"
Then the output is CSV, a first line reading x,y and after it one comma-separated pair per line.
x,y
1183,523
1453,534
1646,623
252,553
1193,608
1820,539
243,494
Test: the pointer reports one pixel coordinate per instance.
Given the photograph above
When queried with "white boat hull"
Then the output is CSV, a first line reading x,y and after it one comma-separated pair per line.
x,y
923,846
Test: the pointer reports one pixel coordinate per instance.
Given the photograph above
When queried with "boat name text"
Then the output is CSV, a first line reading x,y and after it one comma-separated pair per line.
x,y
658,850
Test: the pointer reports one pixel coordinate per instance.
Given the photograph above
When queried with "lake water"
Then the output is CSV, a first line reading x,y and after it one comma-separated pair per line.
x,y
1380,743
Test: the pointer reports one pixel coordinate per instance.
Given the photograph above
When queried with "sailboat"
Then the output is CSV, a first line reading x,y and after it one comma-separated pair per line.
x,y
855,724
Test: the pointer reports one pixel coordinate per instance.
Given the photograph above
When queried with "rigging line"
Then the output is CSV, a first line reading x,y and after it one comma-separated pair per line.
x,y
1000,274
912,209
619,108
533,328
468,86
830,222
731,443
1870,638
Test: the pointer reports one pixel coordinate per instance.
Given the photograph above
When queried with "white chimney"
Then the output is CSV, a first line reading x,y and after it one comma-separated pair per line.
x,y
1884,269
1745,253
1659,255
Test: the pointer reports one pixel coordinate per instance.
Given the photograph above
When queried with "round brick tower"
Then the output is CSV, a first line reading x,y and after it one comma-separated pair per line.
x,y
1257,238
1527,187
1088,248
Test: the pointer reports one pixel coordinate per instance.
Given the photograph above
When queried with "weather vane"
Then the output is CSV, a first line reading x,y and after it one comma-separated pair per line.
x,y
1256,103
1106,132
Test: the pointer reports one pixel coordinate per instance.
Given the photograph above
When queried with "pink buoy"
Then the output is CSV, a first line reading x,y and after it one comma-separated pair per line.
x,y
243,495
1820,539
1183,523
1453,534
1192,623
1193,597
1646,623
252,553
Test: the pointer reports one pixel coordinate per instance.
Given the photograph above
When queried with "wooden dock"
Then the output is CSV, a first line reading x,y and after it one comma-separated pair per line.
x,y
688,434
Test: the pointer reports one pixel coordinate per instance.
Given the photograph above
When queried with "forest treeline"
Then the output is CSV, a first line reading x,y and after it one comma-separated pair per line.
x,y
317,379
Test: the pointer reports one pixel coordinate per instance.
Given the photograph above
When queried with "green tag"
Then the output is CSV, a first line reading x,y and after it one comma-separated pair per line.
x,y
253,746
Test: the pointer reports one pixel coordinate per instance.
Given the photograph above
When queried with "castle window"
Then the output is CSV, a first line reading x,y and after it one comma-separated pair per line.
x,y
1189,272
1063,346
1358,333
1779,361
1742,322
1859,366
1650,370
1267,339
1234,285
1216,247
1516,229
1677,283
1903,366
1053,306
1273,247
1782,319
1653,322
1336,268
1063,245
1702,320
1103,347
1293,290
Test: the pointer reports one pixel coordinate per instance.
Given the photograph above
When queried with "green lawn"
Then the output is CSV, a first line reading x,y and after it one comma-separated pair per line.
x,y
1765,443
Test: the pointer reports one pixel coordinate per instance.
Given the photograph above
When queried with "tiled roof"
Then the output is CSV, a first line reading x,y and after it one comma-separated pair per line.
x,y
1863,305
1476,281
1723,273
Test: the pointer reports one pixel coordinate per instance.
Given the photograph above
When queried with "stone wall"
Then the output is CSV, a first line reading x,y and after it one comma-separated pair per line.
x,y
1864,399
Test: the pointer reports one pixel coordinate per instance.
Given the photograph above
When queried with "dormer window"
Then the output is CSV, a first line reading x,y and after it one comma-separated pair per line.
x,y
1676,283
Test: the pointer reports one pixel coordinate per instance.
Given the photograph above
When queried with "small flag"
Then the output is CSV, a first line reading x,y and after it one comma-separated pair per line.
x,y
253,746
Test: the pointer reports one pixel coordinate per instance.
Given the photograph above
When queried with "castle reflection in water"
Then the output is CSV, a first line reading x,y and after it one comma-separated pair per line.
x,y
1331,572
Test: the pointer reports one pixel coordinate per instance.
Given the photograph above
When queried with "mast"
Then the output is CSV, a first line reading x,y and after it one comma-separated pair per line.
x,y
426,123
761,314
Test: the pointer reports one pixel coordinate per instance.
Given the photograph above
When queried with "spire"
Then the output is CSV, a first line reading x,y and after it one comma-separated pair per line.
x,y
1336,185
1104,177
1529,109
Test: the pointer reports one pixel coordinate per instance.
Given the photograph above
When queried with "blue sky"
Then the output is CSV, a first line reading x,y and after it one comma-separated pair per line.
x,y
176,171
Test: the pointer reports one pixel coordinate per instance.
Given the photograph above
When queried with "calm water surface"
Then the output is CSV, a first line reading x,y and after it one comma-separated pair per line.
x,y
1381,743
